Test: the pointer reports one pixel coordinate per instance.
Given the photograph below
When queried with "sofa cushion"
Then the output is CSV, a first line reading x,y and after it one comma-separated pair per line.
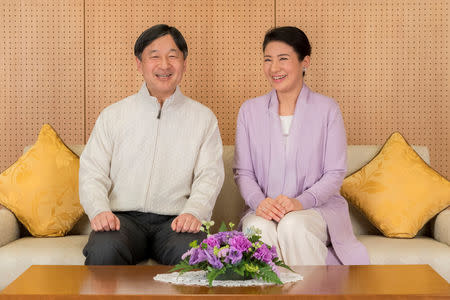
x,y
41,188
397,190
9,226
441,228
83,226
419,250
19,255
229,204
360,155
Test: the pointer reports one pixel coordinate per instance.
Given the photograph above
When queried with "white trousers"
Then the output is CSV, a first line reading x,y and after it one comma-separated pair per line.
x,y
301,236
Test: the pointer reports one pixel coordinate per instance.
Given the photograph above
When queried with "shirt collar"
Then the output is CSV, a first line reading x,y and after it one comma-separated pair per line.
x,y
172,100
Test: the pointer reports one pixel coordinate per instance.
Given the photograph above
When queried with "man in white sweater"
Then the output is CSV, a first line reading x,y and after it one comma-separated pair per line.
x,y
152,168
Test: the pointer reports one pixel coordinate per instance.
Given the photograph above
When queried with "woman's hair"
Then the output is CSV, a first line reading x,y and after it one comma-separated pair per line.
x,y
157,31
292,36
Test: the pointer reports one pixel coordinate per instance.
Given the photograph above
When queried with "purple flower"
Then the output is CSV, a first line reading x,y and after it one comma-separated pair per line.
x,y
240,242
234,256
263,254
211,241
197,256
232,250
213,260
223,252
222,237
187,253
274,267
273,250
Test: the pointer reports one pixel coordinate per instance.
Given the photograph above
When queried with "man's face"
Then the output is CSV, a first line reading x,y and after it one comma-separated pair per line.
x,y
162,65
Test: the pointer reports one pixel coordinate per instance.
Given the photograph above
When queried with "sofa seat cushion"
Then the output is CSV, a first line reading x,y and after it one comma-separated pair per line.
x,y
19,255
416,251
9,226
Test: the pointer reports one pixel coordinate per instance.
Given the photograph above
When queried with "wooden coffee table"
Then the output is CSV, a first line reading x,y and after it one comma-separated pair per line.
x,y
136,282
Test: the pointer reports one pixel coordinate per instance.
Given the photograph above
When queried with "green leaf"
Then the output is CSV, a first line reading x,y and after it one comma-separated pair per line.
x,y
231,225
254,238
213,273
182,264
239,269
223,227
183,267
266,274
280,263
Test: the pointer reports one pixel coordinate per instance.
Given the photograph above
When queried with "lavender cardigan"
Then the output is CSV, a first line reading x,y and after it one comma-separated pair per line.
x,y
310,167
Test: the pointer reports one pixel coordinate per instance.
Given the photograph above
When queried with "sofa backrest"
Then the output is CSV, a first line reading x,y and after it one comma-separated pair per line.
x,y
230,206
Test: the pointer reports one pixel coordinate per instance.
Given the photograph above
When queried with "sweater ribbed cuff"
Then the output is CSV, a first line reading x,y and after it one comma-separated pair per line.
x,y
195,214
255,199
93,210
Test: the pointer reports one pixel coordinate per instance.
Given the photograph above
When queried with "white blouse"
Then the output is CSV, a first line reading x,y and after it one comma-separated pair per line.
x,y
286,125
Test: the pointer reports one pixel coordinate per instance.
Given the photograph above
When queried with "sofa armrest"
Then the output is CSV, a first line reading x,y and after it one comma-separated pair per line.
x,y
9,226
441,228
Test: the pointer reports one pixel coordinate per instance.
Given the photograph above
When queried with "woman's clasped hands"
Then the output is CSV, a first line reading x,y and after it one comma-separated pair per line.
x,y
276,209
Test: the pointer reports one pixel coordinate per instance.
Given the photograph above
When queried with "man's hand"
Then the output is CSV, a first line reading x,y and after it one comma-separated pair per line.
x,y
186,223
105,221
288,204
270,209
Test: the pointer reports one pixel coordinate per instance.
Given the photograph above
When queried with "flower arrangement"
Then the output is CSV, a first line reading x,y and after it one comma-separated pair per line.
x,y
232,252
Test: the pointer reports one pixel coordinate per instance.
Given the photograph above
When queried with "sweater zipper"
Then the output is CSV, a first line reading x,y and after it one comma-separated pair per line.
x,y
159,113
158,118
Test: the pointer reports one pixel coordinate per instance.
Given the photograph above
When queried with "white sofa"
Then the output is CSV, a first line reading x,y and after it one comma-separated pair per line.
x,y
18,250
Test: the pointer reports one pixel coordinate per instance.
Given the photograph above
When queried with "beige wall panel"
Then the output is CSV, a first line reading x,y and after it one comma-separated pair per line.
x,y
41,57
224,62
387,64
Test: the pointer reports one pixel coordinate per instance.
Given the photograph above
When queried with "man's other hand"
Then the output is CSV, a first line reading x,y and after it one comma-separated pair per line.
x,y
186,223
105,221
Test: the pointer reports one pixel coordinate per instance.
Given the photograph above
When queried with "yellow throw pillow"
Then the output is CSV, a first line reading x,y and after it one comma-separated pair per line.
x,y
41,187
397,191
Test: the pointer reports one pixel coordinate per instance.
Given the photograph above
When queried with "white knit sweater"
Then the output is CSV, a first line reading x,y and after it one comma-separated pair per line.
x,y
137,161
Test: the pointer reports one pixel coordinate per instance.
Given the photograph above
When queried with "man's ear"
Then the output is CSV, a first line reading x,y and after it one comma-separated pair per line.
x,y
138,64
185,65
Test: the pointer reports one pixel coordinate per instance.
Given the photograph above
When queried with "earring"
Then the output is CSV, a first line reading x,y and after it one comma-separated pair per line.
x,y
304,69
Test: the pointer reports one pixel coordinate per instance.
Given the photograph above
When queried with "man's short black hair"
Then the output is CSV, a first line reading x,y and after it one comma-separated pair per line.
x,y
157,31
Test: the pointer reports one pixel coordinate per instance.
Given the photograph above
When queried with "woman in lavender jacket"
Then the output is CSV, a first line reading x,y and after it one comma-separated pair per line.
x,y
290,161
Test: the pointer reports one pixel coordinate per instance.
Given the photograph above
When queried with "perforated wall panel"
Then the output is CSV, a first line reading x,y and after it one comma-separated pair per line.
x,y
387,64
224,63
42,81
385,61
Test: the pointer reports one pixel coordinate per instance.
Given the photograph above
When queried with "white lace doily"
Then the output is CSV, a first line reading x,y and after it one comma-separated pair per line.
x,y
199,278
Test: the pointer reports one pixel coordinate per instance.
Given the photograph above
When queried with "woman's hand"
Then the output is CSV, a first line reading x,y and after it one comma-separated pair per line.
x,y
288,204
270,209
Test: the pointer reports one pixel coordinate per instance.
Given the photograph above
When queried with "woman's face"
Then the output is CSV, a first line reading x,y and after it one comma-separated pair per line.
x,y
283,68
